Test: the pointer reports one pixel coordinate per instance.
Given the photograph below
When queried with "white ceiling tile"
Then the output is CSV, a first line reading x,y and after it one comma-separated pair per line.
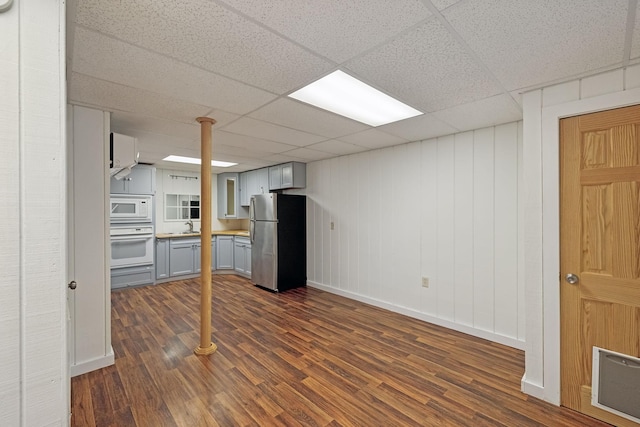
x,y
418,128
208,35
264,130
249,143
308,154
111,96
336,147
443,4
336,29
526,43
425,68
109,59
122,122
486,112
373,138
296,115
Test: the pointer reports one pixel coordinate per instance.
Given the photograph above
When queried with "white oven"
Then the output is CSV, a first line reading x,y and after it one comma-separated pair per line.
x,y
127,208
131,245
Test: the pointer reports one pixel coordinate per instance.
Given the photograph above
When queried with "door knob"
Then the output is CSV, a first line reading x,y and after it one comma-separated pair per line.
x,y
72,285
571,279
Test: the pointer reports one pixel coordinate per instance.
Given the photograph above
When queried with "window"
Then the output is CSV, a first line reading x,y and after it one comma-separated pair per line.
x,y
180,207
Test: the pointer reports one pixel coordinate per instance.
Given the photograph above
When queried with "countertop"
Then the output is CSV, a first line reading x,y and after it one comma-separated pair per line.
x,y
243,233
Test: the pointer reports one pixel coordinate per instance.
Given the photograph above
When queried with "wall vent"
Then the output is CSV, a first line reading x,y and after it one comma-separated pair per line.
x,y
616,383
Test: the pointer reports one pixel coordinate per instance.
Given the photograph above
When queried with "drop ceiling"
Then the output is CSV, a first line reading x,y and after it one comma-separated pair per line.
x,y
156,65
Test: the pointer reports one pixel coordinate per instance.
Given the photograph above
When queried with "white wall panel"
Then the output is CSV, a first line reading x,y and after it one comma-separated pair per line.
x,y
374,161
352,214
10,308
33,354
428,225
483,229
409,238
425,209
506,229
445,202
463,231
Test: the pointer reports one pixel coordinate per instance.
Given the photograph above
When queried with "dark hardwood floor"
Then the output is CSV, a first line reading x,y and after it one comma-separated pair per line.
x,y
302,357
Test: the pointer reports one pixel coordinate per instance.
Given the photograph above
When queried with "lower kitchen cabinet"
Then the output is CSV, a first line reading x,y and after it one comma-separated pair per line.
x,y
132,276
162,258
242,255
184,256
224,252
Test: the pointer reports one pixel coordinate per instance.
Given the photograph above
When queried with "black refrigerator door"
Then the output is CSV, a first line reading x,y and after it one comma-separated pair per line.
x,y
292,241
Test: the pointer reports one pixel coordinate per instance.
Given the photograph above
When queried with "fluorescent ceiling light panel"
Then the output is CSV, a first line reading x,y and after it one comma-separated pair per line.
x,y
194,161
342,94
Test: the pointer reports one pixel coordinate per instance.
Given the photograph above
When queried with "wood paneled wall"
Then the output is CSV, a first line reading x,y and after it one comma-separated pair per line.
x,y
33,354
446,209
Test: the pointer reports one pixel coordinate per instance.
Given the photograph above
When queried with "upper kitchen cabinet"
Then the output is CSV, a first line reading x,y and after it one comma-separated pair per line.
x,y
253,182
229,197
287,175
141,180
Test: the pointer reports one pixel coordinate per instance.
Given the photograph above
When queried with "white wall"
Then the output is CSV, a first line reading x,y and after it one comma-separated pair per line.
x,y
165,184
33,360
542,110
89,245
446,209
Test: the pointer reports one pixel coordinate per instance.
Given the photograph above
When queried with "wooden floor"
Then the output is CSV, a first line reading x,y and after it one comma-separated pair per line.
x,y
302,357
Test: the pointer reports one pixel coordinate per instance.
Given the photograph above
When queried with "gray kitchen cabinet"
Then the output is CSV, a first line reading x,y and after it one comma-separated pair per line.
x,y
141,180
245,195
287,175
253,182
229,197
213,253
242,255
184,256
262,181
224,252
162,258
132,276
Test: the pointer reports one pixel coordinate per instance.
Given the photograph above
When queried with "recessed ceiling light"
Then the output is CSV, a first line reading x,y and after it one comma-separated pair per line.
x,y
194,161
342,94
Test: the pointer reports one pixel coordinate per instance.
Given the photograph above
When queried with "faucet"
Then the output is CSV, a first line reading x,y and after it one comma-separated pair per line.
x,y
190,224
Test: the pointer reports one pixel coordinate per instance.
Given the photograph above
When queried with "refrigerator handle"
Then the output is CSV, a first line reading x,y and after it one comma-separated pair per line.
x,y
252,219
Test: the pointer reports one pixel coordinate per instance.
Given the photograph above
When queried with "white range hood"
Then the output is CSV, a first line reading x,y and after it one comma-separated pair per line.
x,y
123,154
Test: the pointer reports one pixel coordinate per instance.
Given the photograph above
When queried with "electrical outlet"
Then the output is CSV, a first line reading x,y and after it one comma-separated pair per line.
x,y
425,282
332,227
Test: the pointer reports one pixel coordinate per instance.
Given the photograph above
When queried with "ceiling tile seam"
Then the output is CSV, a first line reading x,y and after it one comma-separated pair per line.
x,y
173,58
474,56
388,40
118,110
273,31
631,23
271,140
282,126
208,108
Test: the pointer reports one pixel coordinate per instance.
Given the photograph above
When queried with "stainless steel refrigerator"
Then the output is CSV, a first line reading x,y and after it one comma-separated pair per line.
x,y
278,231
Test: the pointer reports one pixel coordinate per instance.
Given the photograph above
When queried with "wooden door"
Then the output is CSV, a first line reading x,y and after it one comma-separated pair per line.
x,y
600,243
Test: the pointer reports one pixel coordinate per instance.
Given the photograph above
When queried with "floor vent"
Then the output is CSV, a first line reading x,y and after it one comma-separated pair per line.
x,y
616,383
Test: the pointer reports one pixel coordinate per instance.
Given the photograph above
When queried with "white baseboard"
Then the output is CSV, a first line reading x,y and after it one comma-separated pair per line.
x,y
93,364
531,389
491,336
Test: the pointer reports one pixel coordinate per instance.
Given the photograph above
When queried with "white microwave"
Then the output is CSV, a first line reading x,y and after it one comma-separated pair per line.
x,y
124,208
